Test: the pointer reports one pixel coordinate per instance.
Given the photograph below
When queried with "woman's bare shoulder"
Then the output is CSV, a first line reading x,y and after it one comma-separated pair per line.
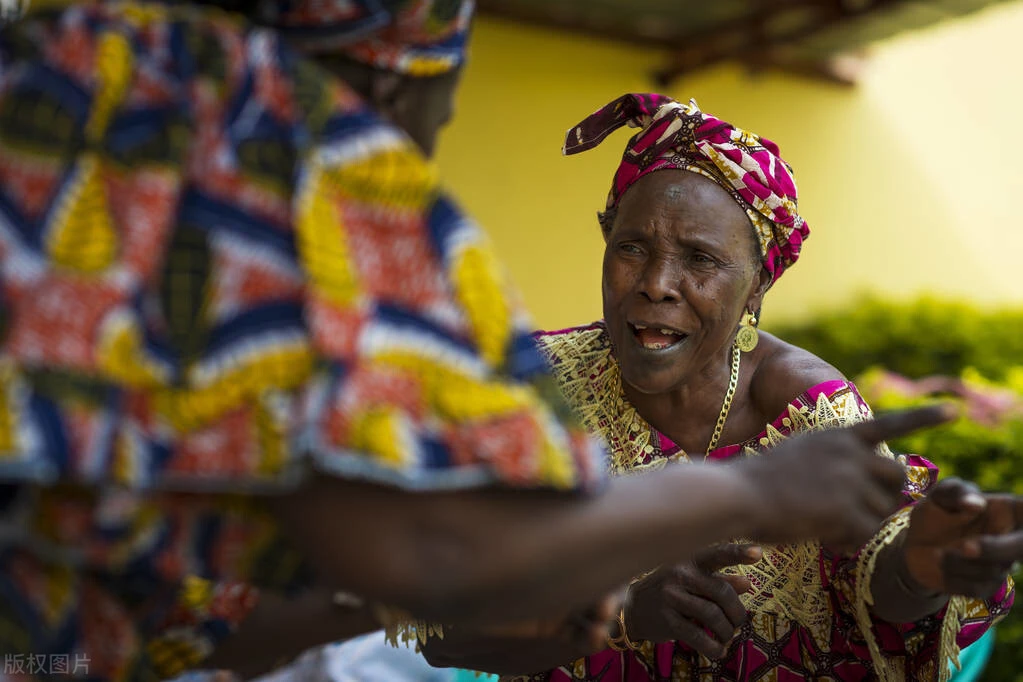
x,y
783,372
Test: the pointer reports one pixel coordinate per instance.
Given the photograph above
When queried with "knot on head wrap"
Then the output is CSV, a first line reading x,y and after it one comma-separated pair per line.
x,y
413,37
680,136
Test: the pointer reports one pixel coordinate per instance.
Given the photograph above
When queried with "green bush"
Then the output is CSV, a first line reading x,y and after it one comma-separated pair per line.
x,y
914,339
875,342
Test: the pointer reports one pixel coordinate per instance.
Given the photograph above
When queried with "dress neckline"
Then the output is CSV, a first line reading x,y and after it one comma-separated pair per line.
x,y
781,423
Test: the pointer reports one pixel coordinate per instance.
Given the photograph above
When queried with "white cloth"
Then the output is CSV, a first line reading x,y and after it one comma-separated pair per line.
x,y
363,659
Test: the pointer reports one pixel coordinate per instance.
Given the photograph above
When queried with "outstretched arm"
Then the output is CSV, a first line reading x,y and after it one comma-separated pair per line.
x,y
473,557
690,602
281,628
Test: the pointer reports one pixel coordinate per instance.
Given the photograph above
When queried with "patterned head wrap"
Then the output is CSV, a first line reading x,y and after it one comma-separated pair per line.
x,y
413,37
680,136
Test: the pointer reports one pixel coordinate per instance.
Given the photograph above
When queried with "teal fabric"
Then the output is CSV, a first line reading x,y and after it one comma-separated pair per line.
x,y
471,676
974,658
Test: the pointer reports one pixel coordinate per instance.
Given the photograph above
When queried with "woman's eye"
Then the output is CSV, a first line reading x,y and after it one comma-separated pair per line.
x,y
702,259
629,248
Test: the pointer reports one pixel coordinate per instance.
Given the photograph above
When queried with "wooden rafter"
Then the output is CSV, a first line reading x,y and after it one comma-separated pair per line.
x,y
841,69
761,39
756,40
569,19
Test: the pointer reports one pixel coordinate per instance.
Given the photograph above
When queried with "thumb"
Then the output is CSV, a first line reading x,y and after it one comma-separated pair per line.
x,y
957,496
715,558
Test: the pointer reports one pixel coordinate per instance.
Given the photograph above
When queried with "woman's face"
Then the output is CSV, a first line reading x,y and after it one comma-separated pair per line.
x,y
680,267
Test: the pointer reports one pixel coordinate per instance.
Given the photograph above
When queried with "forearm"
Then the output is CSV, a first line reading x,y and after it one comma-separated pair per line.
x,y
466,557
461,648
897,599
280,629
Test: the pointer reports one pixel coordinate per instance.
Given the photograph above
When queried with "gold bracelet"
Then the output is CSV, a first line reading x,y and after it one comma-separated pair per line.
x,y
615,644
622,641
625,633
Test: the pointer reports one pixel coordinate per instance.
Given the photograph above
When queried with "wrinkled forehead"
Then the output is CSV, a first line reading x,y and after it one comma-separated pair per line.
x,y
683,194
681,206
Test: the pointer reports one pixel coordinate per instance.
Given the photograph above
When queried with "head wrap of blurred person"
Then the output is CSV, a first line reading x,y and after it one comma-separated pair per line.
x,y
418,38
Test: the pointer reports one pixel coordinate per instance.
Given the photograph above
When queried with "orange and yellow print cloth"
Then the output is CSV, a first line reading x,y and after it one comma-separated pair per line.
x,y
219,271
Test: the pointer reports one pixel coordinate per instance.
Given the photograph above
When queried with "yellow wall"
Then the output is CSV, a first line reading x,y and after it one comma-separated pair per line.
x,y
911,182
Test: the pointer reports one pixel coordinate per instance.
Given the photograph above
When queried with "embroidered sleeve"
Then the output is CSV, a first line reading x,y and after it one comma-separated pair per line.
x,y
919,650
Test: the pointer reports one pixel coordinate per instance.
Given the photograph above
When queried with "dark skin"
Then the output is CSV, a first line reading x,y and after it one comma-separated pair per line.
x,y
504,649
692,601
436,555
281,628
419,106
680,255
960,541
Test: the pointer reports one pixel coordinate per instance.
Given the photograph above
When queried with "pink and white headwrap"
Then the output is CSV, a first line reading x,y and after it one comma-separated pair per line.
x,y
680,136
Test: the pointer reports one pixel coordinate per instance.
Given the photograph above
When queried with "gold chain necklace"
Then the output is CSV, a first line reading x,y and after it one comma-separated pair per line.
x,y
733,381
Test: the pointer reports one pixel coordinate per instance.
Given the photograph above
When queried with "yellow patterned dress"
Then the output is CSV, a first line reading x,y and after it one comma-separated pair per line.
x,y
809,608
221,270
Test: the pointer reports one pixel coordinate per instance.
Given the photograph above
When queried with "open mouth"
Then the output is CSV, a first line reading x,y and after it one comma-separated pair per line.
x,y
653,338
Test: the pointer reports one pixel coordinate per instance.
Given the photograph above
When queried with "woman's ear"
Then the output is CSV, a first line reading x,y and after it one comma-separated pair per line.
x,y
606,221
385,93
761,284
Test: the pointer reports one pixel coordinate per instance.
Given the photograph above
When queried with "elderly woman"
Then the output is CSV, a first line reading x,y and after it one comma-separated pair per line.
x,y
700,222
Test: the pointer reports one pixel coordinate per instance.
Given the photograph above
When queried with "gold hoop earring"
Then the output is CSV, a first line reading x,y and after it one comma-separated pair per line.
x,y
747,337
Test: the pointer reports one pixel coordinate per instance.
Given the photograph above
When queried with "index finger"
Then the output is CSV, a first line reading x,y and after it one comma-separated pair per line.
x,y
1007,548
895,424
890,475
1002,512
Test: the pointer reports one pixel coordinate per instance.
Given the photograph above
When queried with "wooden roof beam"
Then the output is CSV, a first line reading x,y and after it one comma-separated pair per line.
x,y
841,69
775,24
567,20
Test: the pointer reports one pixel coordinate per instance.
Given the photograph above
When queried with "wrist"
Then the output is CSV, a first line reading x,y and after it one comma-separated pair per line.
x,y
751,508
738,499
903,573
897,595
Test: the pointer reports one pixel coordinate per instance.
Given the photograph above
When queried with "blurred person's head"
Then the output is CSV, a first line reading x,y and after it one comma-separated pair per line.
x,y
419,105
402,56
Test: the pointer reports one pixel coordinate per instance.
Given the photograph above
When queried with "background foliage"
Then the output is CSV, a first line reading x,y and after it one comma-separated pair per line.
x,y
910,353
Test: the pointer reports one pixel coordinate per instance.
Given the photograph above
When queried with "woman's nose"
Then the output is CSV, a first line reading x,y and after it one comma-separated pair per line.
x,y
661,281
